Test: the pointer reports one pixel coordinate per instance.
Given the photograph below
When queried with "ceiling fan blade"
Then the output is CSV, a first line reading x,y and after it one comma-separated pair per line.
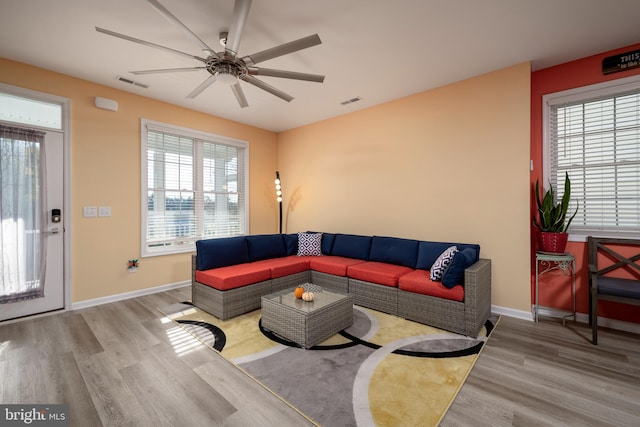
x,y
205,84
283,49
237,91
146,43
167,70
264,86
286,74
172,18
240,13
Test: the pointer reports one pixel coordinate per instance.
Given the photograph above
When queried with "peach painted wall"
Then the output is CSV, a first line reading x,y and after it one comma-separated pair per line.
x,y
555,289
105,171
450,164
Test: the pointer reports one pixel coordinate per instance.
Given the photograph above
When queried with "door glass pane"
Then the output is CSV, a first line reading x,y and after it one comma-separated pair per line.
x,y
22,262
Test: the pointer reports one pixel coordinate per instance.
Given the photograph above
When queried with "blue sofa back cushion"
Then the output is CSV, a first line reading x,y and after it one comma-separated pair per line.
x,y
214,253
266,246
351,246
394,250
454,274
327,243
291,243
428,252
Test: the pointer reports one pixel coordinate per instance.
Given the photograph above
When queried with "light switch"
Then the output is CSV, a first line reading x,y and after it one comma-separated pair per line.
x,y
104,211
89,211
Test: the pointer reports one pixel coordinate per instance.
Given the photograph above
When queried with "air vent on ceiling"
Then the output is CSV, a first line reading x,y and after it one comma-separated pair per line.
x,y
131,82
351,101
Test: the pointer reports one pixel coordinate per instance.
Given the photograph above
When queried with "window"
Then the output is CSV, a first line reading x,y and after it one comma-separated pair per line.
x,y
33,112
593,134
194,186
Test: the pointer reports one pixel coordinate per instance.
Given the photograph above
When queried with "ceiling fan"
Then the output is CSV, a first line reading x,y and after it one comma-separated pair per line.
x,y
227,66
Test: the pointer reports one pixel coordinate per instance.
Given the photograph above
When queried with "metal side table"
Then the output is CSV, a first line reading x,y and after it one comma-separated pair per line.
x,y
549,262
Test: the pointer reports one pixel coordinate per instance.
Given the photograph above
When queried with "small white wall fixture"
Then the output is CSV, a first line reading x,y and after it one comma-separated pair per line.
x,y
106,104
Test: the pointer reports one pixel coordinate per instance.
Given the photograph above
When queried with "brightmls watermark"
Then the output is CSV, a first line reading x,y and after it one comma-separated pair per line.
x,y
34,415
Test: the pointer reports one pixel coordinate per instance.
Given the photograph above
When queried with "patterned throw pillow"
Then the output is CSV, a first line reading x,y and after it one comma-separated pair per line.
x,y
440,266
309,244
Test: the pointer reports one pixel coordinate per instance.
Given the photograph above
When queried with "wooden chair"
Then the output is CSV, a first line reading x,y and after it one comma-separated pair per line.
x,y
610,287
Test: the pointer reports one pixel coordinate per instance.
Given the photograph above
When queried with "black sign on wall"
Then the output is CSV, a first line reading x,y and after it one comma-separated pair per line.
x,y
623,62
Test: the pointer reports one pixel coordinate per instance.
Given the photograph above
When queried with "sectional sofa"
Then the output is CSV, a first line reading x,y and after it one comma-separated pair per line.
x,y
445,285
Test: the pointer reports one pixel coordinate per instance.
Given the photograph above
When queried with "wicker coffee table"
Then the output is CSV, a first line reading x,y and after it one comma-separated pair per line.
x,y
307,323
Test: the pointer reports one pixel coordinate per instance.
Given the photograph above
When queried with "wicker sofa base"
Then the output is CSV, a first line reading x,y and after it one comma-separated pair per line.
x,y
227,304
329,281
442,313
378,297
293,280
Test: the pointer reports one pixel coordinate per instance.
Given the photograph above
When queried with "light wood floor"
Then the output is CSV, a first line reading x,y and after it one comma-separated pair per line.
x,y
545,374
120,364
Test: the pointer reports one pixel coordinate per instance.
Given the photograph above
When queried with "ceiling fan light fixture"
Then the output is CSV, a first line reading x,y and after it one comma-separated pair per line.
x,y
226,77
226,74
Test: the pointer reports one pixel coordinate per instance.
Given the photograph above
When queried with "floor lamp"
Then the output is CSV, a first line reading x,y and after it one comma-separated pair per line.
x,y
279,195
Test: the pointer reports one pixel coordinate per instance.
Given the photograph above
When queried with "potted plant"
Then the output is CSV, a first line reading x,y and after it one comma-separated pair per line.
x,y
552,218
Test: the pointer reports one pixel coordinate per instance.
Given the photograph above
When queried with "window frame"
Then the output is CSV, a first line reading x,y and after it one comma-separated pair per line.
x,y
581,94
196,135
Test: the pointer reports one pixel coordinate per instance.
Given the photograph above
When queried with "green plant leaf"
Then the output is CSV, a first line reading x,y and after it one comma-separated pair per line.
x,y
538,201
571,219
551,215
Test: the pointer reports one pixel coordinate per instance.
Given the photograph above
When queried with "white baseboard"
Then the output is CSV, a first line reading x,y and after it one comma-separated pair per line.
x,y
510,312
604,322
127,295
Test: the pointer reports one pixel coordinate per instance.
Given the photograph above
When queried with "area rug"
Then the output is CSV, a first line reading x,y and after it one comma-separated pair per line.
x,y
382,371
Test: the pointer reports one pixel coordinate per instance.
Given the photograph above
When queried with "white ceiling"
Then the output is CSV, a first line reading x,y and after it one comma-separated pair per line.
x,y
379,50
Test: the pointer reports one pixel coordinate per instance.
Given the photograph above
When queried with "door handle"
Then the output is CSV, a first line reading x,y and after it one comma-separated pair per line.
x,y
54,231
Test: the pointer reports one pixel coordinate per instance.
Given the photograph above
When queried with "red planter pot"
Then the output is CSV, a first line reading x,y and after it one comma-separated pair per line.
x,y
552,242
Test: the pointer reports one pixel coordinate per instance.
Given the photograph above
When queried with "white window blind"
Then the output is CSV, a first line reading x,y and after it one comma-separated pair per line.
x,y
194,187
596,140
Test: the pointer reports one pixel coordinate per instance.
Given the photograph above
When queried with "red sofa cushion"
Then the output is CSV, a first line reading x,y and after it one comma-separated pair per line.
x,y
378,272
234,276
285,266
330,264
419,282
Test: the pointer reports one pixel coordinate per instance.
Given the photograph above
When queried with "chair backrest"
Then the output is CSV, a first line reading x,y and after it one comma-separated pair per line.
x,y
607,255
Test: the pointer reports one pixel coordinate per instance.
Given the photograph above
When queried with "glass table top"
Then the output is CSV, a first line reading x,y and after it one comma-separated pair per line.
x,y
321,299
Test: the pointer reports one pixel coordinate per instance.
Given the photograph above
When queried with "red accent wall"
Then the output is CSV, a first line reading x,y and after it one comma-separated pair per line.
x,y
554,288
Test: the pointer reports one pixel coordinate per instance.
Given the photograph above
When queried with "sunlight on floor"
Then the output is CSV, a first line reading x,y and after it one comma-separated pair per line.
x,y
182,341
178,314
203,335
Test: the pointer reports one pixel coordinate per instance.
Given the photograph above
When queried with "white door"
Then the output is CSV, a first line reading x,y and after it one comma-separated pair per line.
x,y
54,274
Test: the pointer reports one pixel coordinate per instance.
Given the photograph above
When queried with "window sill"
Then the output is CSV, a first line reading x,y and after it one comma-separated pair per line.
x,y
583,236
167,250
